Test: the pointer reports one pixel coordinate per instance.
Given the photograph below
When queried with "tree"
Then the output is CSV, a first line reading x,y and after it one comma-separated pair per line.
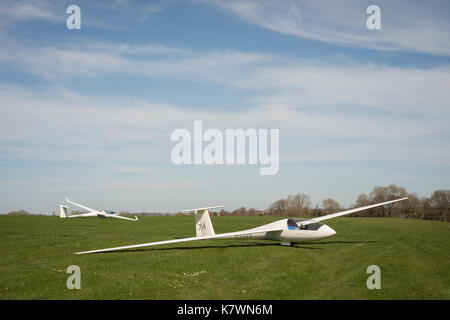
x,y
363,200
239,212
278,207
413,207
223,212
438,205
330,205
381,194
293,205
300,200
19,213
440,199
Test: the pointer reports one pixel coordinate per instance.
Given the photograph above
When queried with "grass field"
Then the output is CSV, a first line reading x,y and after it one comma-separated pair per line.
x,y
413,255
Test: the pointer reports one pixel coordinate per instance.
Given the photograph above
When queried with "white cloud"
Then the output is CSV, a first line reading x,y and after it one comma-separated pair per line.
x,y
16,12
92,59
410,91
297,83
406,25
114,131
326,112
31,10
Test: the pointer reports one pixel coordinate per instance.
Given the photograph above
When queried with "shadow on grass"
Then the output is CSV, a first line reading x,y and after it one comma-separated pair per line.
x,y
303,245
225,246
340,242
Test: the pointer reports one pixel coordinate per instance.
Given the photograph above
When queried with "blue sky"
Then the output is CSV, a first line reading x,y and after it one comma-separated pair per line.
x,y
89,113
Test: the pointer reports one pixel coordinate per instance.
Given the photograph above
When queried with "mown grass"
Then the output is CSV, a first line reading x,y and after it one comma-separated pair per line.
x,y
413,255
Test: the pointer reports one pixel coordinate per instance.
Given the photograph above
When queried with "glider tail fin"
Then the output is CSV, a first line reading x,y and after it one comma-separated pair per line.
x,y
203,224
62,211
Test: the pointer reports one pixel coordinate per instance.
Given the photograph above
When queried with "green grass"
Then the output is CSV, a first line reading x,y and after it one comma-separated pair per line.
x,y
35,252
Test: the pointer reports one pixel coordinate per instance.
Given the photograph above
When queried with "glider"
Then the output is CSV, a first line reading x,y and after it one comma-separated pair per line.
x,y
287,231
91,213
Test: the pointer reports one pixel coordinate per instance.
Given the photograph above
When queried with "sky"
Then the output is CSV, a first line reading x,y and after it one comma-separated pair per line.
x,y
88,113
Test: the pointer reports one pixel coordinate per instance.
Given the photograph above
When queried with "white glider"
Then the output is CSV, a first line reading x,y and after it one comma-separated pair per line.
x,y
288,231
91,212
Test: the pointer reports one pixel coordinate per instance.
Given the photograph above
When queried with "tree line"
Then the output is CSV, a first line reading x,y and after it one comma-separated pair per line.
x,y
435,207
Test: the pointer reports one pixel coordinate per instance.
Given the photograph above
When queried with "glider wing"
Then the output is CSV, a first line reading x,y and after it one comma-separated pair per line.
x,y
89,214
81,206
121,217
217,236
343,213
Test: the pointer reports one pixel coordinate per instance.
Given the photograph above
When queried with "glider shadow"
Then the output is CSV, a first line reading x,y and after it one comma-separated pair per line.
x,y
275,244
303,245
340,242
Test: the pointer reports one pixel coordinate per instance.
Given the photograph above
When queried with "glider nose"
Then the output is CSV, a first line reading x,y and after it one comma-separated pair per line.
x,y
329,231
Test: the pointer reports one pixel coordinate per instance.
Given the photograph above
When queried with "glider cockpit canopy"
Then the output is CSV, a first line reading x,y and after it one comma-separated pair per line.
x,y
296,224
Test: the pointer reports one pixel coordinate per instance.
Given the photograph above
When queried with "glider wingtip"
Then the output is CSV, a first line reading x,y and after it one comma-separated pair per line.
x,y
82,252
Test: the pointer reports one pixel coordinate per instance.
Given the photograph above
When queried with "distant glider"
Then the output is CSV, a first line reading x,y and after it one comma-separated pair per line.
x,y
288,231
91,213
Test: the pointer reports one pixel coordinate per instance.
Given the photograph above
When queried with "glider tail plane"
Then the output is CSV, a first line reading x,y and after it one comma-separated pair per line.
x,y
203,224
62,211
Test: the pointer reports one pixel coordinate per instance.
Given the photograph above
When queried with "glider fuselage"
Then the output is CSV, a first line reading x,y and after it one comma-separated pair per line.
x,y
293,231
